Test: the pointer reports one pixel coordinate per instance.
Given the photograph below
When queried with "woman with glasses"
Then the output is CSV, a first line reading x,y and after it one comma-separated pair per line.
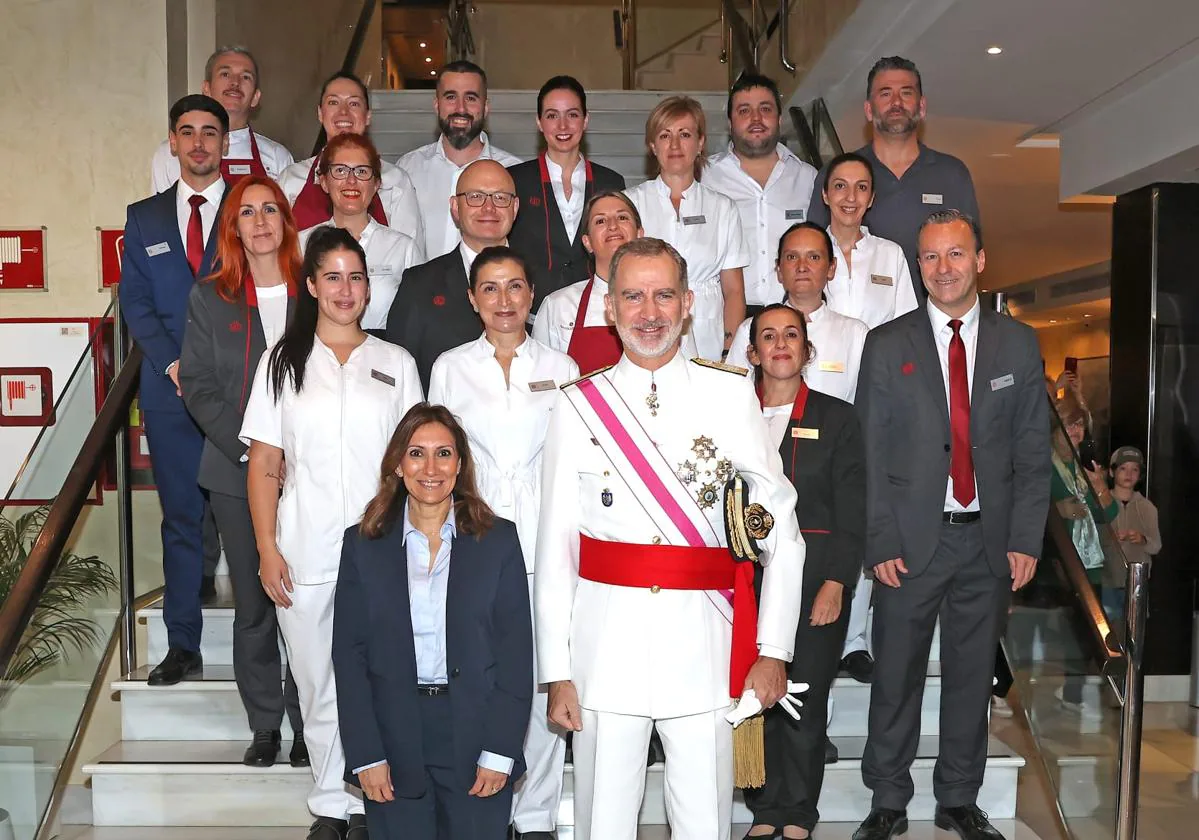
x,y
325,402
702,224
348,171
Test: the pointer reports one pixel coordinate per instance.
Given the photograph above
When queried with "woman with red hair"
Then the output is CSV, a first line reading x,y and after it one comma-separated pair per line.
x,y
233,316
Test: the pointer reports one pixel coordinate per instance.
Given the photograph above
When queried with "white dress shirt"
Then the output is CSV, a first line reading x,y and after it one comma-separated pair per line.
x,y
778,418
943,334
706,230
389,253
877,288
396,194
436,179
766,212
164,166
833,368
571,209
333,435
505,422
213,194
272,311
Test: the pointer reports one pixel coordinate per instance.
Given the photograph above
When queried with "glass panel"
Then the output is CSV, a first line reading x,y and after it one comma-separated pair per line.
x,y
1054,641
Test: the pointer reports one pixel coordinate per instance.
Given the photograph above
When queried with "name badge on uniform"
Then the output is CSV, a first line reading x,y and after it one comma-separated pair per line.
x,y
932,198
543,385
383,377
1001,382
832,367
695,220
805,434
379,270
881,280
155,250
239,169
795,215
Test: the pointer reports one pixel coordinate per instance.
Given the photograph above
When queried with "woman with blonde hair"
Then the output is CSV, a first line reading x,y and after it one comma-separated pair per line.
x,y
702,224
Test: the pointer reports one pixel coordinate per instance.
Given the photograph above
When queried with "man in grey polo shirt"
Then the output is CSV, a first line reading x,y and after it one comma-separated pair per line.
x,y
910,179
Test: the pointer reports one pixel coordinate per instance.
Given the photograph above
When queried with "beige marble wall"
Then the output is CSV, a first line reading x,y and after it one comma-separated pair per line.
x,y
83,108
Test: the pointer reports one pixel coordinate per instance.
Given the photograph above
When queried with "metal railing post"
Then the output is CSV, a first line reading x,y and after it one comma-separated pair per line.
x,y
753,32
785,36
630,44
1128,793
124,508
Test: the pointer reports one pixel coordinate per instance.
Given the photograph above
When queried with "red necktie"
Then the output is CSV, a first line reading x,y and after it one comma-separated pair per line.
x,y
195,235
961,461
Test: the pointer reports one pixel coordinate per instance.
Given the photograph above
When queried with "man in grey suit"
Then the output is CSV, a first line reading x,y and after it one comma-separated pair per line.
x,y
953,408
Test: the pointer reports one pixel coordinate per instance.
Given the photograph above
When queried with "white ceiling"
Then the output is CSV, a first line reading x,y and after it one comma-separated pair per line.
x,y
1060,59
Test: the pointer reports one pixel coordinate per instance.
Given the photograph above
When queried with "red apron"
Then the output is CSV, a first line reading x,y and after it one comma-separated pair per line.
x,y
234,169
547,194
312,206
656,567
592,347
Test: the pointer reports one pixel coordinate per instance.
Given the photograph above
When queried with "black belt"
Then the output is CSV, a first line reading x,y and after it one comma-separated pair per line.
x,y
961,517
432,690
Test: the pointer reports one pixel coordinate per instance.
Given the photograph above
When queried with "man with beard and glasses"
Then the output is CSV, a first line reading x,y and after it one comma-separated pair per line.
x,y
461,106
635,629
771,186
910,179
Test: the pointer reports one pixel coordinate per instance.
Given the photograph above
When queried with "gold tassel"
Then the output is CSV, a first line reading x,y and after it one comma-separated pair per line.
x,y
749,753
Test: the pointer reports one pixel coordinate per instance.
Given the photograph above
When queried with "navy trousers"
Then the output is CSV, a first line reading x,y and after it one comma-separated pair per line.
x,y
445,812
175,447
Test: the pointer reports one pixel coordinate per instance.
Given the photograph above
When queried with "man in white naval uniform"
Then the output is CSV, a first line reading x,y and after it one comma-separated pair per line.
x,y
623,654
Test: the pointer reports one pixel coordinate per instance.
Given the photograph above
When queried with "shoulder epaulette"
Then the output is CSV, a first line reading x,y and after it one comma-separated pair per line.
x,y
708,363
585,376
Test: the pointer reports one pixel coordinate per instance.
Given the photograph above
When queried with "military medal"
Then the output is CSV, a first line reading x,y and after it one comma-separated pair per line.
x,y
606,497
652,400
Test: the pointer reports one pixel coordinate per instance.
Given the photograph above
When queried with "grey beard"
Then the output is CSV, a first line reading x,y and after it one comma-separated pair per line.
x,y
629,338
909,126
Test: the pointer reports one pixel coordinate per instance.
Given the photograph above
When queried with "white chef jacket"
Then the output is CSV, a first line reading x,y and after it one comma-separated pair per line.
x,y
833,368
505,423
766,212
164,166
333,435
436,178
389,253
878,288
707,232
555,322
571,209
396,194
631,650
943,334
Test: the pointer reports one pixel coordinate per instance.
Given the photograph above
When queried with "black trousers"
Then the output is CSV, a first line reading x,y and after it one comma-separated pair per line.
x,y
795,749
257,664
445,811
212,541
959,586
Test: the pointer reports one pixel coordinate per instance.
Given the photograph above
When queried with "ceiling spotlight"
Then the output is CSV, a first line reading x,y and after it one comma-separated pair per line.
x,y
1053,320
994,50
432,72
423,45
1086,316
428,60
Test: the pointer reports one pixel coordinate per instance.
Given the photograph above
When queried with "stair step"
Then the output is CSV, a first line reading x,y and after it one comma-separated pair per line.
x,y
144,783
527,144
519,122
516,100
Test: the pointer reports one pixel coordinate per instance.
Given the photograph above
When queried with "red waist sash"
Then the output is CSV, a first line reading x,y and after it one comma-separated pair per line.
x,y
657,567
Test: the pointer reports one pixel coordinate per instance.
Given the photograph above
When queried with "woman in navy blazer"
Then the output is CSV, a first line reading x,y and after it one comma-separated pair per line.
x,y
433,699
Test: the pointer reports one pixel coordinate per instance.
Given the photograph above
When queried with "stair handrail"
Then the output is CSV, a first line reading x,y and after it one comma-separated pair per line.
x,y
812,124
458,31
353,52
783,19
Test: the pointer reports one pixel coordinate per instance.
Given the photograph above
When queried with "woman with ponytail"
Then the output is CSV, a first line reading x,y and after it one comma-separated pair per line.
x,y
432,644
325,402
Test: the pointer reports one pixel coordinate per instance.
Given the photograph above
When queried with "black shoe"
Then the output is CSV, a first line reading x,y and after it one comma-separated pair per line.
x,y
533,835
176,666
969,821
327,828
882,824
774,835
831,753
263,750
357,828
207,589
298,757
859,665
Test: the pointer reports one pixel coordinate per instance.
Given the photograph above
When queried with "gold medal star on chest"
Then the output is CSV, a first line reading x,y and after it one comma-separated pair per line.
x,y
706,474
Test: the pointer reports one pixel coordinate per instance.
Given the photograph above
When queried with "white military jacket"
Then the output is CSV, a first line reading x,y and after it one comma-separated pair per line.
x,y
631,650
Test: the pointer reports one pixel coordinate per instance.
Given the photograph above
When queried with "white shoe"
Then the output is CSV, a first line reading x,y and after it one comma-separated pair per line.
x,y
1000,707
1081,708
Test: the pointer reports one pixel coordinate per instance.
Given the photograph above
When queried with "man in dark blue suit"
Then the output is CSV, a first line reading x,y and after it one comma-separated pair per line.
x,y
168,246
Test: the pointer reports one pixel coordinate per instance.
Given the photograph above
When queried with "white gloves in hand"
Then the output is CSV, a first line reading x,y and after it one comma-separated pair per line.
x,y
749,704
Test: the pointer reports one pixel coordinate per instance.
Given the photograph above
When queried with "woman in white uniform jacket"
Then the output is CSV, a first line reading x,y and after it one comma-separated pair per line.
x,y
502,387
872,283
702,224
325,402
806,263
389,253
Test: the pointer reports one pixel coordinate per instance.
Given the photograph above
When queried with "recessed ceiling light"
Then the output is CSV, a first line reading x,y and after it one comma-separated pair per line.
x,y
432,72
994,50
1001,154
1053,320
1086,316
423,45
428,60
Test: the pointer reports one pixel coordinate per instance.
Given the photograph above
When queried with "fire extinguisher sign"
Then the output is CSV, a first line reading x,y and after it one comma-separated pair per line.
x,y
23,259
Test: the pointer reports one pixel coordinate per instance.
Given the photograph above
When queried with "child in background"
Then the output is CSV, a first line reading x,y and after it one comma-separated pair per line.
x,y
1135,525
